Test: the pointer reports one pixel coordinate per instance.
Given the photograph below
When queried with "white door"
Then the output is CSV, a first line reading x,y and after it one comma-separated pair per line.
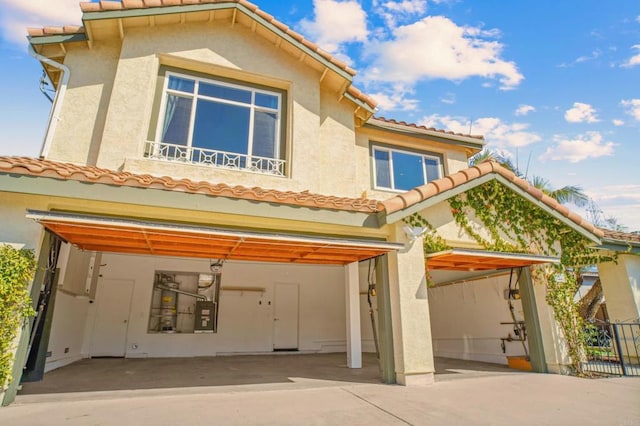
x,y
113,302
285,319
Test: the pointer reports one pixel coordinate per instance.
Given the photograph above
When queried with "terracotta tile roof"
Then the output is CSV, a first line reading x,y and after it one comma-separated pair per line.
x,y
625,237
67,171
147,4
50,30
423,192
356,93
416,126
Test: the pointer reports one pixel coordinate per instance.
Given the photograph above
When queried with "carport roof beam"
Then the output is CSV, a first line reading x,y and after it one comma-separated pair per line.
x,y
479,260
128,235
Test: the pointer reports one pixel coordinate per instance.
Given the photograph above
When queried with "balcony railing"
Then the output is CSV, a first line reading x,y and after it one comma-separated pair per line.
x,y
210,157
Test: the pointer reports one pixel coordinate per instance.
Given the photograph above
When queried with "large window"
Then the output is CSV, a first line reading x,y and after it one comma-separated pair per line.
x,y
219,123
401,170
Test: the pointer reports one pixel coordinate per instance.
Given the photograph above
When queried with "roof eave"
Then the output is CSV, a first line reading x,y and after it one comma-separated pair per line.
x,y
57,38
447,194
619,246
155,197
432,135
88,17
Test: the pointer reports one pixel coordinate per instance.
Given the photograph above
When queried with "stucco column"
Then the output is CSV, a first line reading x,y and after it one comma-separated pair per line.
x,y
413,349
352,303
621,288
555,351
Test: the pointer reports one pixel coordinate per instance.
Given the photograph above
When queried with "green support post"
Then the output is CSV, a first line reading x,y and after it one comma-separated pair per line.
x,y
534,334
385,331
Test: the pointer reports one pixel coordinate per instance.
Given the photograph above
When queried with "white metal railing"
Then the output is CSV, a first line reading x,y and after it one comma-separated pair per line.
x,y
211,157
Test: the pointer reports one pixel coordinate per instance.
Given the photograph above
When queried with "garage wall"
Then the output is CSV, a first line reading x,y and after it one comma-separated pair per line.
x,y
245,323
466,317
67,330
366,330
71,308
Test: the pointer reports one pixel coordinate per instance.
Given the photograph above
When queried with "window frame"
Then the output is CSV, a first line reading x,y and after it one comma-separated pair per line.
x,y
281,112
390,149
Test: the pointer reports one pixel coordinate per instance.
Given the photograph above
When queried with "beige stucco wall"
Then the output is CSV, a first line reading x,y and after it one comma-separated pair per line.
x,y
110,109
84,106
621,287
412,344
454,157
17,229
320,125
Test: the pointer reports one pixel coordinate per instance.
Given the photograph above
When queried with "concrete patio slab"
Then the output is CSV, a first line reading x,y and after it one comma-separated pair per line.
x,y
464,393
115,374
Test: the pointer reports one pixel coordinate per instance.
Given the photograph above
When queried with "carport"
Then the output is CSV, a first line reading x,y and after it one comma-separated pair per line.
x,y
136,244
230,372
483,306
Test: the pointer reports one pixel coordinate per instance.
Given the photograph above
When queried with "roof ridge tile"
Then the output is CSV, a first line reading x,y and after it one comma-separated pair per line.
x,y
423,127
438,186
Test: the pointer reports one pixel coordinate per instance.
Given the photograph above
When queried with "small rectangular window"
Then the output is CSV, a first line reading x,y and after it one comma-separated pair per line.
x,y
180,84
176,121
225,92
402,170
383,175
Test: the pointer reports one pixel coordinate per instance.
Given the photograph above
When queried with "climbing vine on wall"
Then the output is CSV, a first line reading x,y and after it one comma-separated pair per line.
x,y
507,222
16,270
432,241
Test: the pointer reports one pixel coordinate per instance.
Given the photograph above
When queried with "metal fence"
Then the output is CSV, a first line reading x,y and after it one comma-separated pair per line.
x,y
613,348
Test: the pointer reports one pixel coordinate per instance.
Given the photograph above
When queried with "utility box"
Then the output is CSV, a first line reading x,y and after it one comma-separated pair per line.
x,y
205,321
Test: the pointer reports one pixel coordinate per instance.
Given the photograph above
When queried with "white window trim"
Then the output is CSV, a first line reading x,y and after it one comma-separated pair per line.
x,y
195,96
390,150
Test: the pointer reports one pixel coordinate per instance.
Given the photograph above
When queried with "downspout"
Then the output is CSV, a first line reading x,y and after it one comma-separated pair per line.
x,y
54,115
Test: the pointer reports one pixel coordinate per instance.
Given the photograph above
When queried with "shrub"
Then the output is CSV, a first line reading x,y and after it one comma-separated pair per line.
x,y
16,272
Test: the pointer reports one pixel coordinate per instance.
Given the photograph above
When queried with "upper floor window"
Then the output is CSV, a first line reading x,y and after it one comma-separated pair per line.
x,y
219,123
402,170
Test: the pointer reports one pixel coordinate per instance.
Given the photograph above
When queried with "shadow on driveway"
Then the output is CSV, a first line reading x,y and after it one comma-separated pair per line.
x,y
114,374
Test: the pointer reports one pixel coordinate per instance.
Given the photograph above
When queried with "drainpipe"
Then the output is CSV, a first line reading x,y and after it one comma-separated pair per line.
x,y
54,115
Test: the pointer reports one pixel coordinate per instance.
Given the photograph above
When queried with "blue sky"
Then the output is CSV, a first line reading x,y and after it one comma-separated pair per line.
x,y
555,85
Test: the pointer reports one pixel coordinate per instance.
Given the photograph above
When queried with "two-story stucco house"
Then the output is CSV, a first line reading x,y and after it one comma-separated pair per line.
x,y
212,183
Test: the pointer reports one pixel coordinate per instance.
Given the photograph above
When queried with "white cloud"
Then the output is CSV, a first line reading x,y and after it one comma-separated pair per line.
x,y
594,55
582,147
399,11
448,98
336,22
17,15
619,201
617,122
524,109
395,101
633,107
585,58
497,133
634,60
435,47
581,113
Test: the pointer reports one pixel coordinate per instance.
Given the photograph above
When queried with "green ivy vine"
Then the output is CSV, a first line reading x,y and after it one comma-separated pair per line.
x,y
511,223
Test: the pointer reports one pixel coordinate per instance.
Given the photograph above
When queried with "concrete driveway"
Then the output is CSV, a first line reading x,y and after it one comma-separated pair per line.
x,y
464,394
112,374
